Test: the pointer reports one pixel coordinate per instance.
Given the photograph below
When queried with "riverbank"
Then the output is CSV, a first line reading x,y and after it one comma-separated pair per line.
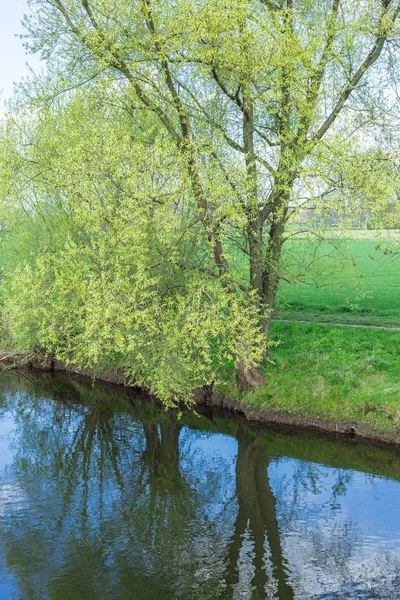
x,y
339,375
329,379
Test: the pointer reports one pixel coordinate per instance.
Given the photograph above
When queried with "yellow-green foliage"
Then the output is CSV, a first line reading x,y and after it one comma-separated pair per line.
x,y
103,272
150,177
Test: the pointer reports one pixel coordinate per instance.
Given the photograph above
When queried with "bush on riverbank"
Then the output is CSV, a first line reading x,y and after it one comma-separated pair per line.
x,y
98,273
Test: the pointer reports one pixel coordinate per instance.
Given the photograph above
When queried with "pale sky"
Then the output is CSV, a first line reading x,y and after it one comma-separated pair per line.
x,y
13,58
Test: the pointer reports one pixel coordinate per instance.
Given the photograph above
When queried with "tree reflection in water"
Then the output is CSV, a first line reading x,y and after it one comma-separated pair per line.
x,y
256,517
111,497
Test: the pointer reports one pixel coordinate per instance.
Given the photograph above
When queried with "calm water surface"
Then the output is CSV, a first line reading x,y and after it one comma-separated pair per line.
x,y
103,496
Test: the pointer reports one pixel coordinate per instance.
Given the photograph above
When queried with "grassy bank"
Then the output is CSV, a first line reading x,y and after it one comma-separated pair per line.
x,y
333,373
327,372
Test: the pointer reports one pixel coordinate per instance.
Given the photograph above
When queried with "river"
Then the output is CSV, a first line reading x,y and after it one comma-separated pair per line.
x,y
105,496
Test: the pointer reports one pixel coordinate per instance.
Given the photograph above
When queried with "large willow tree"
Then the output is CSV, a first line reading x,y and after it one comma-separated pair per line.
x,y
259,103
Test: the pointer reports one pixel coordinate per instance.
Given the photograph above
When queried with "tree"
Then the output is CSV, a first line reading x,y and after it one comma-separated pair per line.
x,y
252,96
98,253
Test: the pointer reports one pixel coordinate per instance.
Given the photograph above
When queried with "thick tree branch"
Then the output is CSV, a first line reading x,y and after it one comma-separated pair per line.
x,y
367,63
185,147
318,74
234,97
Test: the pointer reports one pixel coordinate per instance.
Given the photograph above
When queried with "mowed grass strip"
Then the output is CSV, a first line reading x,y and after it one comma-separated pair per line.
x,y
349,282
333,373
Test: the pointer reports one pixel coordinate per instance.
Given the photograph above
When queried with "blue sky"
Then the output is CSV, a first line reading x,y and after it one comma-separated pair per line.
x,y
13,57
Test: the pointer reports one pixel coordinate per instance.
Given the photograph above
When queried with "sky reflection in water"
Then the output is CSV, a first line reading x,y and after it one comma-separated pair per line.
x,y
105,496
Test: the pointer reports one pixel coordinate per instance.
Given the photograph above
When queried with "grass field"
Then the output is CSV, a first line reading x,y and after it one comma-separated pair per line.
x,y
350,281
336,373
333,373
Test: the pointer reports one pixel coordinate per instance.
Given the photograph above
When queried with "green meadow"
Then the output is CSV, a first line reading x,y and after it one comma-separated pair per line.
x,y
327,371
330,372
342,281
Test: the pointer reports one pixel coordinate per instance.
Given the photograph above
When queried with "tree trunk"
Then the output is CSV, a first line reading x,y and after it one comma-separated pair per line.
x,y
271,271
254,218
251,376
248,376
